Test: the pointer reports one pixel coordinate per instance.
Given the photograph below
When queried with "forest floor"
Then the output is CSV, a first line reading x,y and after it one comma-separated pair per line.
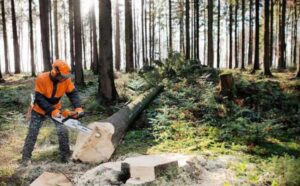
x,y
260,126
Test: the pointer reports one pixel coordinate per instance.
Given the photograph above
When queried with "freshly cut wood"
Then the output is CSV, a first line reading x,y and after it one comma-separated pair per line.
x,y
147,168
227,84
99,146
51,179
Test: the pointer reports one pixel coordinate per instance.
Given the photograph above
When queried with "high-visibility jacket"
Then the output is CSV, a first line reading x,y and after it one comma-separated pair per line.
x,y
48,93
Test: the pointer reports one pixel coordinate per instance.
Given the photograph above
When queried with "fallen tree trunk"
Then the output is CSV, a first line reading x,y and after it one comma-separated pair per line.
x,y
99,146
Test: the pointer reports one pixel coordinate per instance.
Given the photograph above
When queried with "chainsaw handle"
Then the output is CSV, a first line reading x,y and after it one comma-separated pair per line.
x,y
80,115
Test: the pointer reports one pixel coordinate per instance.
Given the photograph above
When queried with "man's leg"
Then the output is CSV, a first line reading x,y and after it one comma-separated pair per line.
x,y
34,128
63,139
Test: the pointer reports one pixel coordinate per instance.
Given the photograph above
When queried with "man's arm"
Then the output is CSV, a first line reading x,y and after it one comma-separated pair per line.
x,y
40,99
73,95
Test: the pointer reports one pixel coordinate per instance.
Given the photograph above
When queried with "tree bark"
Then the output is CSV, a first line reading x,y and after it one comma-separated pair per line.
x,y
267,39
243,35
117,38
33,73
56,29
95,62
15,39
256,55
219,20
79,78
107,88
143,33
71,31
170,29
196,40
83,47
44,17
107,134
282,44
227,84
295,35
146,34
230,33
250,49
236,52
187,29
271,32
210,44
6,49
129,36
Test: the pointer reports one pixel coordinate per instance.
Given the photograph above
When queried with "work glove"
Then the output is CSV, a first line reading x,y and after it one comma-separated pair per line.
x,y
55,113
80,112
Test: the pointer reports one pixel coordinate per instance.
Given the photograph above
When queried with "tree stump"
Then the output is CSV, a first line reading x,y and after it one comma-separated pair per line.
x,y
227,84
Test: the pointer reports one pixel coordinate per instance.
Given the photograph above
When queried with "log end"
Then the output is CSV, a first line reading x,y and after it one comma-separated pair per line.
x,y
96,147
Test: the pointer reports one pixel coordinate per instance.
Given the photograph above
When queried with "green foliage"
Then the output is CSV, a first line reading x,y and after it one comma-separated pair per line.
x,y
285,170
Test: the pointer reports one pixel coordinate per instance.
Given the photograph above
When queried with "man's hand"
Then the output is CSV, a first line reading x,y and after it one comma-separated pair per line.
x,y
56,114
79,112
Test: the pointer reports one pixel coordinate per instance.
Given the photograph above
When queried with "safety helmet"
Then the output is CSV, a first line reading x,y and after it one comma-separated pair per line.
x,y
62,68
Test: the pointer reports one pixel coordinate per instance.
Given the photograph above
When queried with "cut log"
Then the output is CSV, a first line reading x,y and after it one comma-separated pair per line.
x,y
51,179
227,84
99,146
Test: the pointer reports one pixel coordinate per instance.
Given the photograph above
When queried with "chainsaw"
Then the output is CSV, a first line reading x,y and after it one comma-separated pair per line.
x,y
70,120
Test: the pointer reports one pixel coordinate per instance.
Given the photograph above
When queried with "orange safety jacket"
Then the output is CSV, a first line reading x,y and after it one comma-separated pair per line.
x,y
48,93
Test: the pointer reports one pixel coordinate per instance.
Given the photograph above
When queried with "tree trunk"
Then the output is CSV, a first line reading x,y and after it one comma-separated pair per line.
x,y
295,36
134,39
282,44
143,33
117,38
107,134
71,30
219,20
44,17
150,32
196,40
65,32
230,33
170,29
267,40
83,47
146,34
79,78
271,32
256,55
187,29
181,26
243,35
6,49
298,71
51,32
129,36
56,29
210,44
95,43
153,31
15,39
107,87
31,40
250,49
236,52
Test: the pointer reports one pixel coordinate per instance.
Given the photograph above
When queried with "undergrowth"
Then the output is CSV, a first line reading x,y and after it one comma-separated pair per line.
x,y
260,124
